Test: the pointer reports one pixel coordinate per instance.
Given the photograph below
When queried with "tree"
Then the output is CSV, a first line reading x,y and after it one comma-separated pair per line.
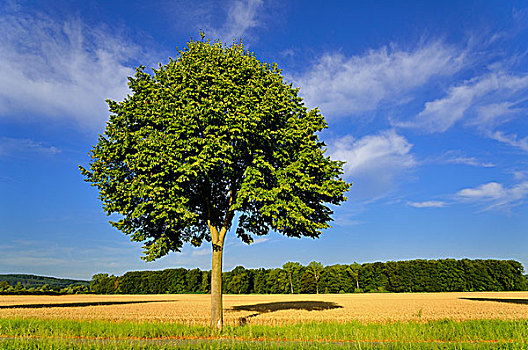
x,y
276,281
45,288
239,282
101,283
259,281
353,272
4,285
333,279
19,287
293,271
194,280
206,282
212,133
307,283
314,269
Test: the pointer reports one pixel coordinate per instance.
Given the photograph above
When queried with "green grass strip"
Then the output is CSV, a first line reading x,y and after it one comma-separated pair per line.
x,y
447,331
63,344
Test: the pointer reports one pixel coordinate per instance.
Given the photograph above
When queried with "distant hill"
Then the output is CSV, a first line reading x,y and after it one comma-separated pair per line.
x,y
30,281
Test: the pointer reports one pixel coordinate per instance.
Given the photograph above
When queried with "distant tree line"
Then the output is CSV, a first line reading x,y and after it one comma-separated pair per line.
x,y
32,281
19,289
446,275
16,284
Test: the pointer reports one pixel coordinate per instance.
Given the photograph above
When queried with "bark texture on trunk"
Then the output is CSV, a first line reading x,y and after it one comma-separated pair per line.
x,y
217,318
218,233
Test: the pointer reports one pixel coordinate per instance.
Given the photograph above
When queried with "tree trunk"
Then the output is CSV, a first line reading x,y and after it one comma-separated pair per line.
x,y
217,240
217,318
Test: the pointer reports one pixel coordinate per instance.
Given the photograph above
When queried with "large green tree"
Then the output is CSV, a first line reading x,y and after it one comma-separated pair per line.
x,y
212,133
293,270
315,269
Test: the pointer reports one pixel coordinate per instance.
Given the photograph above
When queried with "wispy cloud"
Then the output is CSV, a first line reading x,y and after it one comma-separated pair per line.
x,y
492,190
341,85
372,151
201,252
494,195
16,147
241,17
512,140
61,70
482,101
494,114
455,157
427,204
520,175
259,240
469,161
374,161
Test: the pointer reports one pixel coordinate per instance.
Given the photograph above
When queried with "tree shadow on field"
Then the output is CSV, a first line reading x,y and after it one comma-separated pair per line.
x,y
284,305
512,301
81,304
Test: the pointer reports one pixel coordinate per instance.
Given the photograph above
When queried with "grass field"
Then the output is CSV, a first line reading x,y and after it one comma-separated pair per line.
x,y
440,320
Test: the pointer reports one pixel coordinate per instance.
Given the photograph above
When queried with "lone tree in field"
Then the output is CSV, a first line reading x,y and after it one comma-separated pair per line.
x,y
212,133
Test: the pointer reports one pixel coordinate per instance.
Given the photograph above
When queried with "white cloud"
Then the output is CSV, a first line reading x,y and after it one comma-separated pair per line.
x,y
201,252
241,16
469,161
494,194
520,175
487,98
342,86
492,190
259,240
61,70
454,157
373,161
372,151
427,204
512,140
15,147
491,195
493,114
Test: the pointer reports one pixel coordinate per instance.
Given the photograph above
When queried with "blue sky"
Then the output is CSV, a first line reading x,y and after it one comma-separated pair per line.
x,y
426,101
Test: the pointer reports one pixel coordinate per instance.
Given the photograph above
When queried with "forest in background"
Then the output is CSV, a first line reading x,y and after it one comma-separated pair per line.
x,y
33,284
446,275
29,281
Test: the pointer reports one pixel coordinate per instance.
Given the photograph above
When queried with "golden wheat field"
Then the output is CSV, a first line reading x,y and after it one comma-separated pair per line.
x,y
273,309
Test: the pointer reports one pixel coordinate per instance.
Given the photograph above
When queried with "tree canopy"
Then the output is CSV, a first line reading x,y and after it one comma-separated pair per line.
x,y
211,133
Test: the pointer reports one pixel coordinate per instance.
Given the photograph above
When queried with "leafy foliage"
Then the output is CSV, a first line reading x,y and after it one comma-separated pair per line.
x,y
211,133
293,270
